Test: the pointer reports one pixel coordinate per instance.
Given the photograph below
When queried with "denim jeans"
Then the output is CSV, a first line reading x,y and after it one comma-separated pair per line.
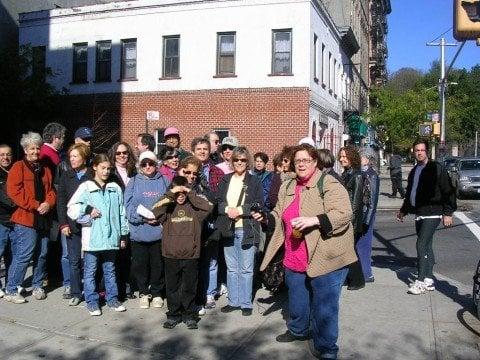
x,y
209,268
425,229
74,248
5,235
240,260
105,258
315,302
64,261
364,250
27,242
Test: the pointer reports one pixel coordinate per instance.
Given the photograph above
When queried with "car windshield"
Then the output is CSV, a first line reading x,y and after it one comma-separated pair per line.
x,y
470,165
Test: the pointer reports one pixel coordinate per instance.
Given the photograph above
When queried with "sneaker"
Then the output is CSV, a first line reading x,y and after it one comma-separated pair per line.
x,y
117,306
289,337
191,324
74,301
210,302
246,312
229,308
170,323
223,290
94,310
2,293
16,298
417,288
39,294
157,302
201,311
20,289
144,301
66,293
429,284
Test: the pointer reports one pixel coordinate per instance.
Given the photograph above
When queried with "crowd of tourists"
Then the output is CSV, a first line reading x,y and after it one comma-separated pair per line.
x,y
186,227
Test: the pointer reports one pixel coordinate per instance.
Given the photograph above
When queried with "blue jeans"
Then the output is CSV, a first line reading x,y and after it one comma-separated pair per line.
x,y
64,261
364,250
5,234
91,259
209,268
74,248
27,242
315,302
240,260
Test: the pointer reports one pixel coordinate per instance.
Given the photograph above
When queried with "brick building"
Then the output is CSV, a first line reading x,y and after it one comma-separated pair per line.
x,y
268,72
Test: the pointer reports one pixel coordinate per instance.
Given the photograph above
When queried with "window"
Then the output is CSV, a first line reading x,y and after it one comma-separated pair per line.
x,y
323,65
330,71
160,140
171,56
80,63
282,52
226,53
129,59
222,133
315,58
335,76
103,61
38,62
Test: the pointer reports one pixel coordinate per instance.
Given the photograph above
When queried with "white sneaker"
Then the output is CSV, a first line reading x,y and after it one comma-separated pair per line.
x,y
201,311
94,310
145,301
15,298
157,302
429,284
223,290
2,293
417,288
39,294
117,306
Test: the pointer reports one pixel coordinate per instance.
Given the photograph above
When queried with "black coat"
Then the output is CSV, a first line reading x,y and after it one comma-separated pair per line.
x,y
435,193
253,194
353,181
7,206
67,185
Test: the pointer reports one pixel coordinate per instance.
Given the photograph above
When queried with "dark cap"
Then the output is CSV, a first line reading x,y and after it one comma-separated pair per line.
x,y
84,133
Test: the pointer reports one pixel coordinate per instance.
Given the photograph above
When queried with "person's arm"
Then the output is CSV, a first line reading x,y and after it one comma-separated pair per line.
x,y
273,192
221,196
16,189
203,206
124,229
50,194
62,202
372,203
255,188
5,201
131,204
77,205
357,204
449,200
160,208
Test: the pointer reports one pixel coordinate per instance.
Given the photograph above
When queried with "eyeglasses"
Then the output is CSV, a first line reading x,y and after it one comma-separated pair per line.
x,y
190,173
171,157
302,161
118,153
225,147
286,161
241,160
148,163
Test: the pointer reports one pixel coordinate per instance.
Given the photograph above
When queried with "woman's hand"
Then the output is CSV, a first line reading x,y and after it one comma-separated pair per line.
x,y
123,244
43,208
66,231
95,213
304,222
180,189
258,216
233,213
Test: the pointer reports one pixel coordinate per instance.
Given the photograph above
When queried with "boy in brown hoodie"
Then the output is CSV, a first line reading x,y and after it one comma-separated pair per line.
x,y
181,212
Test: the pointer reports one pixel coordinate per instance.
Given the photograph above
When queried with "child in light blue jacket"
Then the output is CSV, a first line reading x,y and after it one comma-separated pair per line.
x,y
98,206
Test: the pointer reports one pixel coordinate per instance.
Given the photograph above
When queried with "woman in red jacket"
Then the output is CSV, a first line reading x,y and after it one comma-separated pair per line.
x,y
29,185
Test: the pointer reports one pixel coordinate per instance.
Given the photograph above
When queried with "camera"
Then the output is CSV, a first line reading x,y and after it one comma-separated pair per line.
x,y
256,207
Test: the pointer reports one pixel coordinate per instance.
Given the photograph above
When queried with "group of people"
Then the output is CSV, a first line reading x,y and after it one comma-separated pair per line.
x,y
189,227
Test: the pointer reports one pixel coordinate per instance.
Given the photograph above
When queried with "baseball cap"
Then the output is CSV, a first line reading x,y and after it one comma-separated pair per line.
x,y
84,133
171,131
147,155
307,140
230,141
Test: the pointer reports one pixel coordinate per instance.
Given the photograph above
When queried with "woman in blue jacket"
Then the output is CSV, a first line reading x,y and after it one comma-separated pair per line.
x,y
141,193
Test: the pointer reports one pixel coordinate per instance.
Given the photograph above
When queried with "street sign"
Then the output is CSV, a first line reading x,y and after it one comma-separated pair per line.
x,y
425,130
153,115
435,117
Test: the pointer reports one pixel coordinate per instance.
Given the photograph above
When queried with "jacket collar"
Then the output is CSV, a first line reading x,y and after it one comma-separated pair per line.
x,y
311,183
92,186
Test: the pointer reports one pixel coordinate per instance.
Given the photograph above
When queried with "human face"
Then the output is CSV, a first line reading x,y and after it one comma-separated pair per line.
x,y
139,146
227,152
214,141
83,141
364,161
180,198
171,162
240,164
201,152
149,167
173,141
76,160
102,171
343,160
304,164
5,156
259,164
285,164
121,155
32,152
190,172
58,141
420,152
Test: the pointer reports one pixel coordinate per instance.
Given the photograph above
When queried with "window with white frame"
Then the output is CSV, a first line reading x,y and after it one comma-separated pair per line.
x,y
330,71
226,43
282,52
335,77
129,59
315,58
323,70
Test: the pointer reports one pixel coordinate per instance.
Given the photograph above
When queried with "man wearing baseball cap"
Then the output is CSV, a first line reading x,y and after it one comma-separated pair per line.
x,y
172,142
83,135
228,144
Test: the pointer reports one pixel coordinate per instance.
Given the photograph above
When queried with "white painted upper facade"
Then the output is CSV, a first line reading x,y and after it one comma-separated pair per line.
x,y
197,24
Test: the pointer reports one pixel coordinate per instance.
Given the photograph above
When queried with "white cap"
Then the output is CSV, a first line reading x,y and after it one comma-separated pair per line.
x,y
307,140
147,155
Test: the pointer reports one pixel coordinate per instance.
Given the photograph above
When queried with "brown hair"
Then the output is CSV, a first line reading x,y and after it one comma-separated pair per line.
x,y
99,158
82,149
190,160
132,160
287,153
352,155
305,147
325,159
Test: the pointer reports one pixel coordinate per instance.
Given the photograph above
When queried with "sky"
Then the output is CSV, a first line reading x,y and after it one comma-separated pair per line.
x,y
413,23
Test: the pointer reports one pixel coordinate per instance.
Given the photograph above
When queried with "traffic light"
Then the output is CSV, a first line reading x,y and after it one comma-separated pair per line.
x,y
425,130
436,128
466,19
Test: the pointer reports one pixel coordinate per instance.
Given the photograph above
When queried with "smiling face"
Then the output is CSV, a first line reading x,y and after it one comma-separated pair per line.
x,y
76,160
5,156
304,164
32,152
227,152
172,162
180,198
343,160
240,164
190,172
102,171
121,155
201,152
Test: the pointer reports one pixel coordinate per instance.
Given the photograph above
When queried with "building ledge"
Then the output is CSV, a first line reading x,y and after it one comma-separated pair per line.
x,y
126,80
279,74
220,76
349,42
170,78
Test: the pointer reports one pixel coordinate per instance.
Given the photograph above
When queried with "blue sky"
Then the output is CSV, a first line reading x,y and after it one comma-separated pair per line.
x,y
412,24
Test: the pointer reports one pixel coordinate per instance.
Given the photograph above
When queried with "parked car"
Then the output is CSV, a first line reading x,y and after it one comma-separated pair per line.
x,y
465,176
449,163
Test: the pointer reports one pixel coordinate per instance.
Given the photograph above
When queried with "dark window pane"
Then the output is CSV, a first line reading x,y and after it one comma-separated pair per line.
x,y
227,64
171,57
171,48
79,63
103,64
226,54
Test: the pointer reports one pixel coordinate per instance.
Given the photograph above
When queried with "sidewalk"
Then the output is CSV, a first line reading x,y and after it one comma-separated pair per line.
x,y
379,322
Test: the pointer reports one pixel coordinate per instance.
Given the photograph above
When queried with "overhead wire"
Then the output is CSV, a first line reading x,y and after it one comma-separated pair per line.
x,y
439,36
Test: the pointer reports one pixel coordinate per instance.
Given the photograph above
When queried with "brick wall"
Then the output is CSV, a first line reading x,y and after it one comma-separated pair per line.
x,y
262,119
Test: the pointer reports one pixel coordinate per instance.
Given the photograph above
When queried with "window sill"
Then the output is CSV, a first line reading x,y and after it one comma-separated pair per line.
x,y
102,81
279,74
315,80
170,78
79,82
219,76
125,80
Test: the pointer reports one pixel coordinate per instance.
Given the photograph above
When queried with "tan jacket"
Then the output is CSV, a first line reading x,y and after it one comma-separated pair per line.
x,y
326,252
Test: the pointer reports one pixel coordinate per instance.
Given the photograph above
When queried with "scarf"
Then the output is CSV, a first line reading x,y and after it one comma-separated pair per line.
x,y
40,222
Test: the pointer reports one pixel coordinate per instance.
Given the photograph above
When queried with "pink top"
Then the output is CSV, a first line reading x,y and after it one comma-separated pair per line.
x,y
167,172
225,167
296,253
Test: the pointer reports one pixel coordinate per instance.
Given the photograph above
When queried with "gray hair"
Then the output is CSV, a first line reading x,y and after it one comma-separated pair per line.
x,y
52,130
30,138
242,150
369,154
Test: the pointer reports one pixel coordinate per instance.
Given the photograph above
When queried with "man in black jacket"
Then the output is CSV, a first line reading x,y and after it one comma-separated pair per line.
x,y
6,205
431,197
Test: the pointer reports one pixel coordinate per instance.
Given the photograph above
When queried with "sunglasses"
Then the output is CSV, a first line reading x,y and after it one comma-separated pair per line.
x,y
171,157
225,147
190,173
148,163
241,160
118,153
216,141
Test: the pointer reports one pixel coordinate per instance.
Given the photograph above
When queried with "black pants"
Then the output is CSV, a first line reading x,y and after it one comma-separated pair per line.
x,y
147,268
123,263
397,185
181,277
425,229
74,248
355,273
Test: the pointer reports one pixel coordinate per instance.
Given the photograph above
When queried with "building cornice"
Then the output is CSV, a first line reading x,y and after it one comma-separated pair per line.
x,y
323,12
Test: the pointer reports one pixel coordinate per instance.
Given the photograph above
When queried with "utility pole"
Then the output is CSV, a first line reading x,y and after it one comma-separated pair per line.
x,y
476,143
